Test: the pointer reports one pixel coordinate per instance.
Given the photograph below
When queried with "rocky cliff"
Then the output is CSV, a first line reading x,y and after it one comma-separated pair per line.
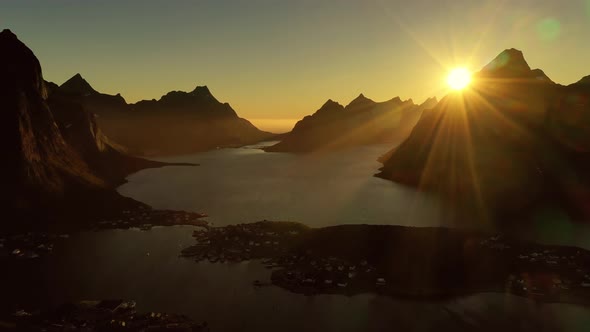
x,y
57,164
513,145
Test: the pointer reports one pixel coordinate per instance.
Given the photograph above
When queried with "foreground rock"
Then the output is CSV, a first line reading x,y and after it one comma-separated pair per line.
x,y
400,261
57,165
111,315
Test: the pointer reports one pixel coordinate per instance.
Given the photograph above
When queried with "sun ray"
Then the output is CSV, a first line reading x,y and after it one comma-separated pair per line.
x,y
459,78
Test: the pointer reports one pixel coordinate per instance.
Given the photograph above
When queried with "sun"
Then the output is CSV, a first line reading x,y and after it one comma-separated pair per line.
x,y
459,78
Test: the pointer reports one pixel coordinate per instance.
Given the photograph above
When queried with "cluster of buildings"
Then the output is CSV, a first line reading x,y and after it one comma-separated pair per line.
x,y
240,242
547,284
495,242
531,269
277,247
550,257
544,270
29,245
145,219
306,273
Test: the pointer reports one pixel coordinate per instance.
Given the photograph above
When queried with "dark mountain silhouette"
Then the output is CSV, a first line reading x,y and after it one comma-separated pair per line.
x,y
363,121
81,131
56,161
78,86
78,90
584,80
508,146
179,122
200,101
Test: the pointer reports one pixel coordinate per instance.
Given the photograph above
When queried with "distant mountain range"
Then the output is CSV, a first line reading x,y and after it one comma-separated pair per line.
x,y
56,161
363,121
178,123
513,145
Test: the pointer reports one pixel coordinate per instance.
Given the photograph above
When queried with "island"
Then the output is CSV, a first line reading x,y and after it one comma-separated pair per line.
x,y
409,262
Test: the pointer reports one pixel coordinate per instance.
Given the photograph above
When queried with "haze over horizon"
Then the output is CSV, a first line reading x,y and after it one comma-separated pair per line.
x,y
277,61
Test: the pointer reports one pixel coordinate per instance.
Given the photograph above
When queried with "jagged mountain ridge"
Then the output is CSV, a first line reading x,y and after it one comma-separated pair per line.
x,y
362,121
179,122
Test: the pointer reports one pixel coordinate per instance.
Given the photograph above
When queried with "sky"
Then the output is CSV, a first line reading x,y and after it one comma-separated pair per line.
x,y
276,61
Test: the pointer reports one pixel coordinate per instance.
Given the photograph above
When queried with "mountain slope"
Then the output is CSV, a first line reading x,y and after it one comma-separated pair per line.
x,y
82,133
502,148
179,122
37,155
56,163
363,121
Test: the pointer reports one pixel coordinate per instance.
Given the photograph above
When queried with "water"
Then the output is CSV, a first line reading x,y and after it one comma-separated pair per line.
x,y
116,264
245,185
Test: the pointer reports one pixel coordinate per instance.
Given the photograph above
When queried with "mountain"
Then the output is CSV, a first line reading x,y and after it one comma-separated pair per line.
x,y
362,121
56,163
79,91
78,86
584,81
514,145
178,123
200,102
81,131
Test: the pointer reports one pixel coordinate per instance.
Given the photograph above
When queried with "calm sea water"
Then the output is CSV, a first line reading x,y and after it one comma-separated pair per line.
x,y
246,185
145,266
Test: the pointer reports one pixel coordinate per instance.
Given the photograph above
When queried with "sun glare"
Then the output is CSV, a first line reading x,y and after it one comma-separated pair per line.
x,y
459,78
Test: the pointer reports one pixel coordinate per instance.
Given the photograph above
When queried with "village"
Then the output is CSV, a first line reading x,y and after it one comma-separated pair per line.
x,y
32,245
236,243
29,245
554,271
146,218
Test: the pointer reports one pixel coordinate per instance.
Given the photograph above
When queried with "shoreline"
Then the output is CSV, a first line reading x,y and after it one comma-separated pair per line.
x,y
99,315
28,244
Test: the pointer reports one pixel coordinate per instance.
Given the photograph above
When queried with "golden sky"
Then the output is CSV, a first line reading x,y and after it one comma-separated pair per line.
x,y
282,59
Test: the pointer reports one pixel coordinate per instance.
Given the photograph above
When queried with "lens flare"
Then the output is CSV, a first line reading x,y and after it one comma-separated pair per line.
x,y
548,29
459,78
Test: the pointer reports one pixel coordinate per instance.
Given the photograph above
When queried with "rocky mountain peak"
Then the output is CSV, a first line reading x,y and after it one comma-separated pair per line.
x,y
397,100
361,100
6,33
77,85
201,90
19,68
540,75
429,103
330,104
510,62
